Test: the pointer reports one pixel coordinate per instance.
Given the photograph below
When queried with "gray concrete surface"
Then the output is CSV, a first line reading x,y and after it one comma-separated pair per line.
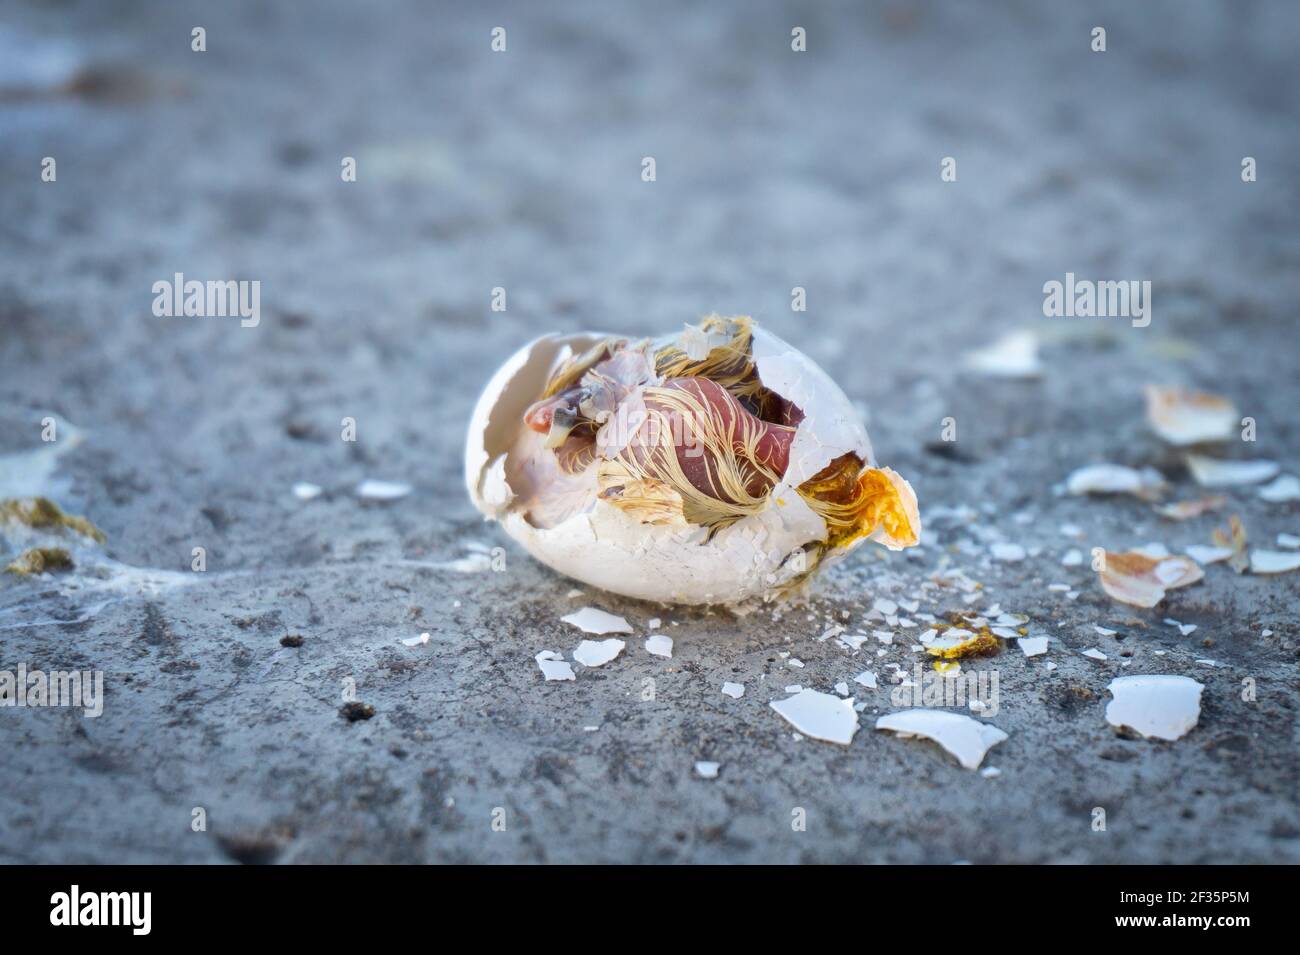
x,y
522,170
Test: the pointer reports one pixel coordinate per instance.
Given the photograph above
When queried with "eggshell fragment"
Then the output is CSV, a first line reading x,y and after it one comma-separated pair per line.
x,y
593,620
1186,510
596,653
1156,706
1033,646
594,541
306,491
1273,561
1213,472
1115,479
1014,355
1285,488
1183,417
964,737
658,645
1141,581
1204,554
372,490
820,716
553,666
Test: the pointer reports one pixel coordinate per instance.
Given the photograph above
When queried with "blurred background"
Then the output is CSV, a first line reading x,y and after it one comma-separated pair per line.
x,y
522,170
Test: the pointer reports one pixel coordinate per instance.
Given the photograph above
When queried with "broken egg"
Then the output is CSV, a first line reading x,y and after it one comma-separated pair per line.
x,y
711,466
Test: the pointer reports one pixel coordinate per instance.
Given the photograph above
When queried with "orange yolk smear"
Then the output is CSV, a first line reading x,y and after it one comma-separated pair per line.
x,y
859,502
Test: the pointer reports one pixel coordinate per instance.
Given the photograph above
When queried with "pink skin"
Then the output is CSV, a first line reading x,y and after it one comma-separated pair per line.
x,y
541,413
698,464
772,449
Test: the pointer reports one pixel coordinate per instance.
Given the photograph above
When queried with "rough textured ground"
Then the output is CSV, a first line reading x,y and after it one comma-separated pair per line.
x,y
522,170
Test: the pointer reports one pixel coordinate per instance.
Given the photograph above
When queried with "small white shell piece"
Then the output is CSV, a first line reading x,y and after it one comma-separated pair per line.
x,y
604,546
1156,705
597,621
820,716
659,645
1184,417
1273,561
554,666
964,737
596,653
1213,472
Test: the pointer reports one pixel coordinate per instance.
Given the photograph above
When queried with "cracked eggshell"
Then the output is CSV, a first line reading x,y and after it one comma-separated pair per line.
x,y
605,547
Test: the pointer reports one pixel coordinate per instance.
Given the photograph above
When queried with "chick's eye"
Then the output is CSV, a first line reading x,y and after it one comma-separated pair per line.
x,y
562,410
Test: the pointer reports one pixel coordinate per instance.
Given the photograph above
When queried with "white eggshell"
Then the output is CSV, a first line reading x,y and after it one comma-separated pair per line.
x,y
605,547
